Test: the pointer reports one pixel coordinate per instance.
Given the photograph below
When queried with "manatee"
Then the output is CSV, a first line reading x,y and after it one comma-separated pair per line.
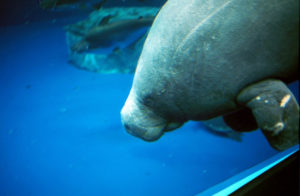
x,y
218,127
63,5
230,58
104,36
51,4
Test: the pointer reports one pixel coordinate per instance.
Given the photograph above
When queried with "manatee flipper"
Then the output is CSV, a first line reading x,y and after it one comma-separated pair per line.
x,y
241,120
276,111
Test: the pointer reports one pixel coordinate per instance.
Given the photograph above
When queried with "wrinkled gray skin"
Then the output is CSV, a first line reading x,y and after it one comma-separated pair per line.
x,y
199,55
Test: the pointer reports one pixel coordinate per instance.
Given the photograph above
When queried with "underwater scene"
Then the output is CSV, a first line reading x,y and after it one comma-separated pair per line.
x,y
144,97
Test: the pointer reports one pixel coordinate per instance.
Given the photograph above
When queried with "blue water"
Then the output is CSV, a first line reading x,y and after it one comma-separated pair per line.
x,y
61,134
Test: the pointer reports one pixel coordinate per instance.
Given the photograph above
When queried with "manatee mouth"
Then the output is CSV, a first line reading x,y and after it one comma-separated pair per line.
x,y
148,134
151,133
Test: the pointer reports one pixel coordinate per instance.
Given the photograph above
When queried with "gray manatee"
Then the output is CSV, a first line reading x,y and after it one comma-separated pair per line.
x,y
108,34
230,58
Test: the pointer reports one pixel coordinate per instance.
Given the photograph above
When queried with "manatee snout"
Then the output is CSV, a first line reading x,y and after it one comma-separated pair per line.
x,y
141,122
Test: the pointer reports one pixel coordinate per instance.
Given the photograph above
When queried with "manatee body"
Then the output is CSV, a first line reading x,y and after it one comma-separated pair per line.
x,y
104,36
204,59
